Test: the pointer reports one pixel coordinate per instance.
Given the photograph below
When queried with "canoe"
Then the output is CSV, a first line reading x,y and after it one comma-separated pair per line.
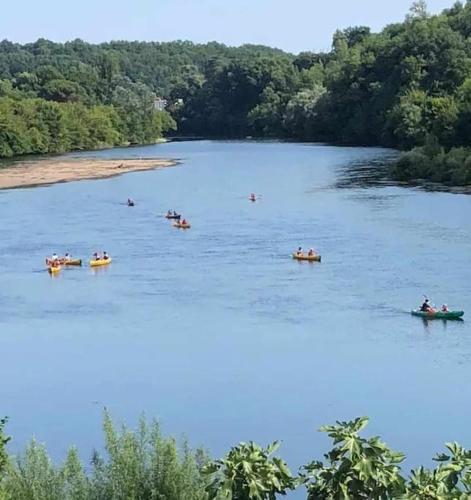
x,y
100,262
54,269
63,262
439,314
182,226
73,262
173,217
308,258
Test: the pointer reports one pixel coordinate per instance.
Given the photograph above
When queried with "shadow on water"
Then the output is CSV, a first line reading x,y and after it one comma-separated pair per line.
x,y
375,172
365,173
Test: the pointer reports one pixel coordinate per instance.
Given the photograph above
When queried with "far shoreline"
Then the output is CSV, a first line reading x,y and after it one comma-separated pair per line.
x,y
58,170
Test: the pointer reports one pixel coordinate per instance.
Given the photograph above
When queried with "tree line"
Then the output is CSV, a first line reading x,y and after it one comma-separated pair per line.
x,y
143,464
55,104
408,86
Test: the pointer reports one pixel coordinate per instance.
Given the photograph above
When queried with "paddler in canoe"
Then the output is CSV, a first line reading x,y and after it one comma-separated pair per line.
x,y
130,202
253,197
67,258
100,260
53,260
427,311
182,224
97,256
53,264
426,307
172,215
310,256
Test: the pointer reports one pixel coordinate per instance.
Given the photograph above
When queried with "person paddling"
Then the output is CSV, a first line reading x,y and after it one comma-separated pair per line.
x,y
426,307
130,202
299,252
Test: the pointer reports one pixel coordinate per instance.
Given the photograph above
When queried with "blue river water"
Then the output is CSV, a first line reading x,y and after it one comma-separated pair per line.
x,y
216,331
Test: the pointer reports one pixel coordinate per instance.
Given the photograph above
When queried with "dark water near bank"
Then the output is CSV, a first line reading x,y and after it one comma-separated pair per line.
x,y
216,331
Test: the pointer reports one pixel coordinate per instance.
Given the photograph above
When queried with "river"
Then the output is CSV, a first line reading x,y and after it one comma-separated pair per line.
x,y
216,331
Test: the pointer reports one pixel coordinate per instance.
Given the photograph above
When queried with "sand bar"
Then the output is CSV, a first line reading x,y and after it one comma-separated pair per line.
x,y
54,170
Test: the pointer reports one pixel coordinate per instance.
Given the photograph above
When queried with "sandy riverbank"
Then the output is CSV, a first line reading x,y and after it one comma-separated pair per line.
x,y
54,170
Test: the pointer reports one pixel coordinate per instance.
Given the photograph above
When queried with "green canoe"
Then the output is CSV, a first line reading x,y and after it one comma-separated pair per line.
x,y
439,314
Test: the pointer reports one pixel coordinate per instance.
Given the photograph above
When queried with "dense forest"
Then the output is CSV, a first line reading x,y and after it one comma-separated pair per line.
x,y
142,464
408,86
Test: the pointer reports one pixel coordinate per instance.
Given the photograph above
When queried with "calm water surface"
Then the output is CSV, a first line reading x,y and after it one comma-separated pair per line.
x,y
217,331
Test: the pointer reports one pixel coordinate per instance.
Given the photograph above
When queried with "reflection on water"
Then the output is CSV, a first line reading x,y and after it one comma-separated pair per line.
x,y
374,172
444,323
365,172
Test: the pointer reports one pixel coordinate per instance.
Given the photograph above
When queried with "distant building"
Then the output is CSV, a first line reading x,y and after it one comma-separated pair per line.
x,y
160,104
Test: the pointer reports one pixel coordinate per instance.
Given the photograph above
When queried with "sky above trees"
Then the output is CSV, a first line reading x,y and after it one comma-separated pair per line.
x,y
295,26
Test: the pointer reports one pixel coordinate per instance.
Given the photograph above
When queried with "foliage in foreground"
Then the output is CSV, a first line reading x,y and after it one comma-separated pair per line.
x,y
249,471
142,465
139,464
357,467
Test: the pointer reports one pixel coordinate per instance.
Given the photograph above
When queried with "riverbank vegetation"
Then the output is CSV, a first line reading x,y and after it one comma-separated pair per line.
x,y
42,113
404,87
142,464
435,163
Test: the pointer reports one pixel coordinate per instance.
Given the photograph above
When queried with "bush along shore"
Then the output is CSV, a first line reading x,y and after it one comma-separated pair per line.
x,y
434,163
143,464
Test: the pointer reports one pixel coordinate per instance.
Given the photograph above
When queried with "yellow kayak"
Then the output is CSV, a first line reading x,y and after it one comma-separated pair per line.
x,y
309,258
182,226
100,262
53,269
